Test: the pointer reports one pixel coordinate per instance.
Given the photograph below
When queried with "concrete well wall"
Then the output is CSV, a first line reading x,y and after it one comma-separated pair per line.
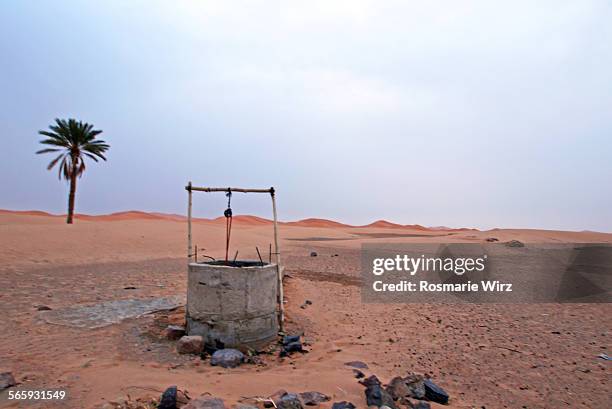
x,y
233,305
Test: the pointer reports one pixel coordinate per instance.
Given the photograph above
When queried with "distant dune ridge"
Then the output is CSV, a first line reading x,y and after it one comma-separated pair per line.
x,y
245,220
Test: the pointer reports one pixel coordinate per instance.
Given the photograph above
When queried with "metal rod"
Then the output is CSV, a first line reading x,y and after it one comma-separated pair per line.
x,y
270,254
279,271
259,255
235,257
189,223
226,189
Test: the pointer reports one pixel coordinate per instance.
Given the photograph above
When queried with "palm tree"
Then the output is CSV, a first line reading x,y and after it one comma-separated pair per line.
x,y
74,139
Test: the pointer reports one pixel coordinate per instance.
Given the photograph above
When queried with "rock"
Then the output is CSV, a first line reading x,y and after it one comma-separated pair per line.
x,y
43,308
227,358
313,398
172,398
174,332
290,401
190,344
358,374
515,243
242,406
343,405
205,402
491,239
6,380
313,254
291,348
275,397
168,399
416,386
370,381
306,304
398,389
357,364
434,393
377,396
419,404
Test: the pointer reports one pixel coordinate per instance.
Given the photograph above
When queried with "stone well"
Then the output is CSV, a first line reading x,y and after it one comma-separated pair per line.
x,y
233,303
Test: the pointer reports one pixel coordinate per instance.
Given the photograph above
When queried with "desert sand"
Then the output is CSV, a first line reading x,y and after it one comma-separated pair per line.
x,y
493,356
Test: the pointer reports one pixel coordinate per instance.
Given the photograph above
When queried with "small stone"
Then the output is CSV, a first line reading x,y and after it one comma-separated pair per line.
x,y
515,243
288,339
313,254
242,406
419,404
168,399
377,396
190,344
313,398
227,358
492,239
291,348
174,332
43,308
358,374
205,402
290,401
370,381
435,393
343,405
416,386
6,380
275,397
357,364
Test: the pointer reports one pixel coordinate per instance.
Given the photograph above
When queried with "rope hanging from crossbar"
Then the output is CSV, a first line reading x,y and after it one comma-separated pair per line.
x,y
228,223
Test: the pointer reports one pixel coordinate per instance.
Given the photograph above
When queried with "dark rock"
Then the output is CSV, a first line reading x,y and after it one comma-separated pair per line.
x,y
227,358
288,339
241,406
174,332
129,287
6,380
275,397
168,399
491,239
434,393
190,344
377,396
370,381
416,386
290,401
313,398
358,374
398,389
419,404
306,304
515,243
357,364
343,405
291,347
313,254
205,402
43,308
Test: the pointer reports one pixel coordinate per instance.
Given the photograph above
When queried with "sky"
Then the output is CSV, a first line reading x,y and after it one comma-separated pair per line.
x,y
474,113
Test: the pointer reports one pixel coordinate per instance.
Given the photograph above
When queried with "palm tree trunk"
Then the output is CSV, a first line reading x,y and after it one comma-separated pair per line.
x,y
73,180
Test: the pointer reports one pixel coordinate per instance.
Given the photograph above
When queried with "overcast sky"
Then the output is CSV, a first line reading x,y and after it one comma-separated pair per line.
x,y
459,113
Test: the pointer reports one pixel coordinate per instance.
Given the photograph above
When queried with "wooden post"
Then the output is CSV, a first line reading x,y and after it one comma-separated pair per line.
x,y
279,271
189,223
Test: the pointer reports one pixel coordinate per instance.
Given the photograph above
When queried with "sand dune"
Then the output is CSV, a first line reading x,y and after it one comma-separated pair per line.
x,y
244,220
